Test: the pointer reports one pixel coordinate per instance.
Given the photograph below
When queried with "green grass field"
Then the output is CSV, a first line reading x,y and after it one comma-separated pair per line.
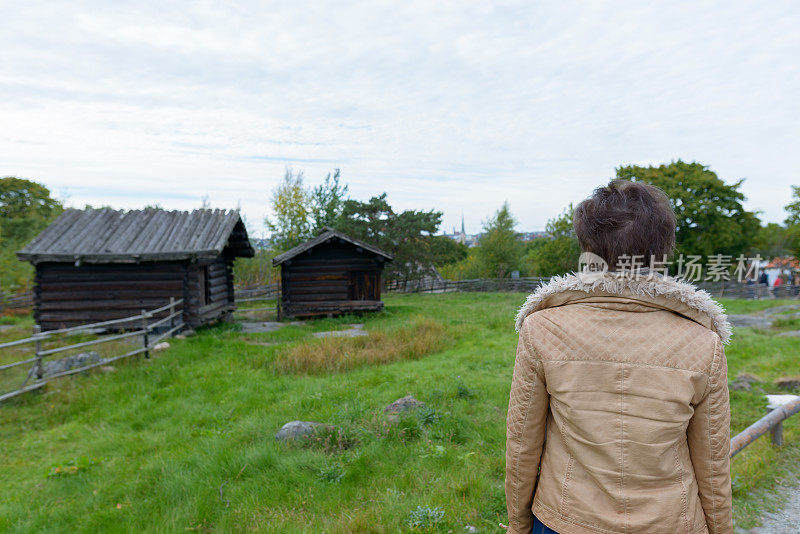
x,y
185,441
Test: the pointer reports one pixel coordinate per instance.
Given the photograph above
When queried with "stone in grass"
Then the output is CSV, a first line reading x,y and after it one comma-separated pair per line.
x,y
302,431
70,362
788,382
161,346
402,405
743,382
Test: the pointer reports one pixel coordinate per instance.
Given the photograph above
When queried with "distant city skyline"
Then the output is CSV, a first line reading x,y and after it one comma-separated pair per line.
x,y
447,106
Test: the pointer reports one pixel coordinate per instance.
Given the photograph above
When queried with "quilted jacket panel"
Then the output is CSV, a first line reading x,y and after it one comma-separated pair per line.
x,y
618,418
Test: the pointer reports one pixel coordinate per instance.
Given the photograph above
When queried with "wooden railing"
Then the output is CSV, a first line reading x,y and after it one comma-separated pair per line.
x,y
727,289
772,422
16,301
35,379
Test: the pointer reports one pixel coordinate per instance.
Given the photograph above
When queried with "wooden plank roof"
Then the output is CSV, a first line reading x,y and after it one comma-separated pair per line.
x,y
328,234
111,236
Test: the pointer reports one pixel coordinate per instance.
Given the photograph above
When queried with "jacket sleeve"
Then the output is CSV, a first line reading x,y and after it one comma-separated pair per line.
x,y
709,439
525,431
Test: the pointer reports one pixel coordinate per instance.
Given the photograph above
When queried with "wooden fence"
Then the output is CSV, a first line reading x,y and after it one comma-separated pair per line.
x,y
727,289
35,379
253,294
772,423
16,301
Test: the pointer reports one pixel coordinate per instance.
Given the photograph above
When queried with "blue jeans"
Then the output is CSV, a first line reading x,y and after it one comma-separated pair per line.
x,y
539,528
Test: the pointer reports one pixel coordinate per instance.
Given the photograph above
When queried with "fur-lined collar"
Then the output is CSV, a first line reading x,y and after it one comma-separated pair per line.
x,y
640,286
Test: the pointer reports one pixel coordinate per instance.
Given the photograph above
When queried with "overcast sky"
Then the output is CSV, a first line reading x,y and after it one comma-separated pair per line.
x,y
455,106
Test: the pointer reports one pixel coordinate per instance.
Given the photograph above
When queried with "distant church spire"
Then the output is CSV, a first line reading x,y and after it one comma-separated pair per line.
x,y
463,237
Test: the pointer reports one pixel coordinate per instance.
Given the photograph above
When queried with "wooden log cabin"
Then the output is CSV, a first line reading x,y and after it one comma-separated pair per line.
x,y
331,274
95,265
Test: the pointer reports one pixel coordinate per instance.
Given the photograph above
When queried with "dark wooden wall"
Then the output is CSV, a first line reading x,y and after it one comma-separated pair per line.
x,y
209,291
331,277
66,295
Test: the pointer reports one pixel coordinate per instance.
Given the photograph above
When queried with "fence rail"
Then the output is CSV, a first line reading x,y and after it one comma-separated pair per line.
x,y
16,301
144,329
772,422
255,294
729,289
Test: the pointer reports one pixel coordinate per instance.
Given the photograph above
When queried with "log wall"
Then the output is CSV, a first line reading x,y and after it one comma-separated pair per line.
x,y
331,278
66,295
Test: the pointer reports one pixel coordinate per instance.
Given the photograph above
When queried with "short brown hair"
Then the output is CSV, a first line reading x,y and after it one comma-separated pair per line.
x,y
626,219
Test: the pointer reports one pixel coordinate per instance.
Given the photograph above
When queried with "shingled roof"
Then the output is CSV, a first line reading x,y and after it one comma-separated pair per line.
x,y
110,236
326,235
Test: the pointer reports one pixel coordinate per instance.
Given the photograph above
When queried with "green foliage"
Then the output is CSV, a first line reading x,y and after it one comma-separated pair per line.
x,y
291,206
332,473
256,271
710,216
558,254
447,251
408,235
26,208
424,518
792,222
500,249
772,240
327,201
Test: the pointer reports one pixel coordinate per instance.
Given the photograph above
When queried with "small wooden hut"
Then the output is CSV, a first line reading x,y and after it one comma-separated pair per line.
x,y
330,274
96,265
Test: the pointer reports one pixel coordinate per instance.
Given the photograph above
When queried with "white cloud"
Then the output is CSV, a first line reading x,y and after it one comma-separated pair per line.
x,y
447,105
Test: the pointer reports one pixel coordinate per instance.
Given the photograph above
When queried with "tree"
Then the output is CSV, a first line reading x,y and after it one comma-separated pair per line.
x,y
500,250
26,208
447,251
407,235
772,240
290,204
710,216
793,223
559,253
327,201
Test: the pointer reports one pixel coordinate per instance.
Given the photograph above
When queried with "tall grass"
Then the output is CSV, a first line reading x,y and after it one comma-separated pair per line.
x,y
421,337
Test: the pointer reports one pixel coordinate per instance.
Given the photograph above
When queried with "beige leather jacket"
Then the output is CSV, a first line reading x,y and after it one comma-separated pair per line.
x,y
619,416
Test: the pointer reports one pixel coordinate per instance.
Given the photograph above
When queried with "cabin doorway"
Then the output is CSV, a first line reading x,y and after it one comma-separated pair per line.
x,y
359,286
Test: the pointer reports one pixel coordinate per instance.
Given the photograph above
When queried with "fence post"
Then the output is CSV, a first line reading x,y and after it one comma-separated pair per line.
x,y
172,313
145,340
37,330
777,435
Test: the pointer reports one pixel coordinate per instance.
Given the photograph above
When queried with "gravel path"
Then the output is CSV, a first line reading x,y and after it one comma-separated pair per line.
x,y
787,521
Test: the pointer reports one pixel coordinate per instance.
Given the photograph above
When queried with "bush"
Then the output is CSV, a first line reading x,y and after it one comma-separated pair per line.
x,y
424,518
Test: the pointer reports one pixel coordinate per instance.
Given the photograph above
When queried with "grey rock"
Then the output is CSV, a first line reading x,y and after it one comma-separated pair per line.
x,y
750,321
295,431
70,362
260,327
788,382
355,330
401,405
161,346
743,382
188,332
